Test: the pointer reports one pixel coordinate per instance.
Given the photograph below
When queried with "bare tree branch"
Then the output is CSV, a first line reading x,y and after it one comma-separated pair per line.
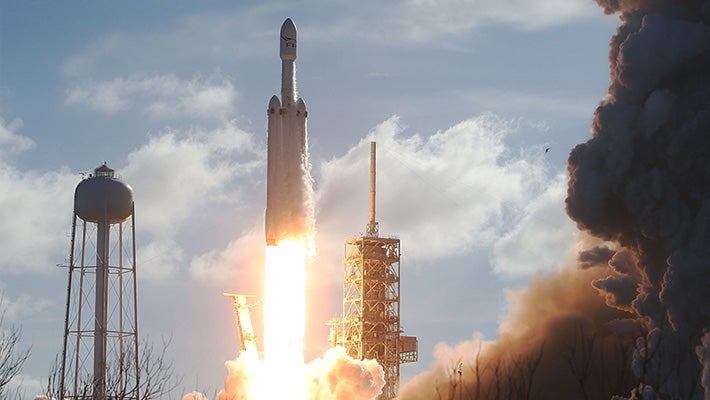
x,y
11,357
156,377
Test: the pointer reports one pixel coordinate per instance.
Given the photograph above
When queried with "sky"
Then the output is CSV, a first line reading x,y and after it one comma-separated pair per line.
x,y
462,97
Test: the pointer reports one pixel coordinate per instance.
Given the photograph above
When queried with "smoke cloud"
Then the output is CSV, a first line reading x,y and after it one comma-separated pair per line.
x,y
642,181
338,376
194,396
556,343
335,376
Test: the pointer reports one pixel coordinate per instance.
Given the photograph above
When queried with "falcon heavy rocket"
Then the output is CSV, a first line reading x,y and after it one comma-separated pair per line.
x,y
288,177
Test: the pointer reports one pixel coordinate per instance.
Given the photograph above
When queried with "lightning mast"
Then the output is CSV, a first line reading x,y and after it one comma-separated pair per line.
x,y
370,327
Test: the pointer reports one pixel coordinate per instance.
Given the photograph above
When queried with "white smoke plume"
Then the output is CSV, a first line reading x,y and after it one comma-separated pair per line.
x,y
194,396
335,376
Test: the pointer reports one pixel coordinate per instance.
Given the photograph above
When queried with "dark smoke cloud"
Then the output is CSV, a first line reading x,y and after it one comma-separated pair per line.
x,y
643,181
594,257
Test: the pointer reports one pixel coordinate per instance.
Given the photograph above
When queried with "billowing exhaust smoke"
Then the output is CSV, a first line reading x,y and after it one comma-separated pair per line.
x,y
557,343
643,181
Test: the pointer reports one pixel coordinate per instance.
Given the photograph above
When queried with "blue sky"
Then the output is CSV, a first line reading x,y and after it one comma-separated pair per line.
x,y
462,96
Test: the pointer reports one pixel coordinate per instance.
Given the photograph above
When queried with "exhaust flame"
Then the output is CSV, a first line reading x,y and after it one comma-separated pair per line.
x,y
281,372
284,319
284,302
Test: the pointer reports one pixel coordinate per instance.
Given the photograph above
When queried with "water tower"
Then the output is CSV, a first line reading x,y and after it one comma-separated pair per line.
x,y
100,350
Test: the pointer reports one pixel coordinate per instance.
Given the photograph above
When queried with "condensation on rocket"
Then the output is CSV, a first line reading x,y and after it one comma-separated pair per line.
x,y
288,177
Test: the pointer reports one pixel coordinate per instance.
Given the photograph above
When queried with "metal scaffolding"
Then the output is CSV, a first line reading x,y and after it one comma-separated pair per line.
x,y
370,327
242,316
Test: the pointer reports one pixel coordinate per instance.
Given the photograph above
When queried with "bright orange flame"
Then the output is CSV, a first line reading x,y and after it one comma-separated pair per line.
x,y
284,322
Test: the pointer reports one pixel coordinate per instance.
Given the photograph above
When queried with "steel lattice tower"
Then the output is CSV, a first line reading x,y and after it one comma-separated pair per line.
x,y
370,327
100,350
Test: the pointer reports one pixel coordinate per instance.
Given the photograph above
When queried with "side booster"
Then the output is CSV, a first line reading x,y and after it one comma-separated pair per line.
x,y
287,159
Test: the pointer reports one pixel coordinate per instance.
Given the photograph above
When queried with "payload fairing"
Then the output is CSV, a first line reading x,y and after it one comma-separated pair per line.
x,y
288,177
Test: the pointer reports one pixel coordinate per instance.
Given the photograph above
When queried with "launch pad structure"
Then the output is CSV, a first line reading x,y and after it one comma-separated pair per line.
x,y
242,316
370,327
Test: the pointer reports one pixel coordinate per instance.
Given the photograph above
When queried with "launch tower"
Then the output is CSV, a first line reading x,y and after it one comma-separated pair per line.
x,y
100,350
370,327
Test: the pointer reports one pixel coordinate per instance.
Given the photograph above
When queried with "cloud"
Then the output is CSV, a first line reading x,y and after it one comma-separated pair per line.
x,y
238,262
462,181
29,230
160,96
452,190
186,178
522,103
176,173
159,258
456,16
12,142
27,385
541,237
227,36
188,42
32,237
23,307
417,22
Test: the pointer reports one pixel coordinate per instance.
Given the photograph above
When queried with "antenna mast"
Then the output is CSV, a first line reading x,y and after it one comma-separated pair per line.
x,y
372,226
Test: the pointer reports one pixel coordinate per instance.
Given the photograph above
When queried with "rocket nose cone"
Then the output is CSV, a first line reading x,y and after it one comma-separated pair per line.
x,y
288,28
288,40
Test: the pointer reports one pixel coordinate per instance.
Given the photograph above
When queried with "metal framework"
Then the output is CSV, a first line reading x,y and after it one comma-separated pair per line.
x,y
247,338
100,347
370,327
371,323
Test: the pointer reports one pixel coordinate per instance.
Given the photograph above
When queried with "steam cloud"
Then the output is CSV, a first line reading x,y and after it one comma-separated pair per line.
x,y
641,188
335,376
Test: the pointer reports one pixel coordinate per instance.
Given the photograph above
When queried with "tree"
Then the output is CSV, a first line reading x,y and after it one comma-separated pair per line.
x,y
156,377
12,358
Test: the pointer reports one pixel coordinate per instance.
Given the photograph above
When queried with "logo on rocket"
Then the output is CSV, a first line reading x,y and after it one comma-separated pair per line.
x,y
288,40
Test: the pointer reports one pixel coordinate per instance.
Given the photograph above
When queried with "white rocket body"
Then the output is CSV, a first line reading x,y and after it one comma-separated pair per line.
x,y
287,158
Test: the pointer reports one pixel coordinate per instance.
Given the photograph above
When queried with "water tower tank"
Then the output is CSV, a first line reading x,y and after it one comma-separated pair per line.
x,y
103,194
